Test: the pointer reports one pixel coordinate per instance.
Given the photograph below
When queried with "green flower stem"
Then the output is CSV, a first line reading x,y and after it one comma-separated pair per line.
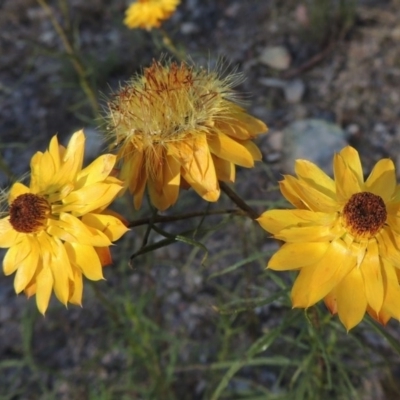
x,y
172,218
239,201
170,46
77,64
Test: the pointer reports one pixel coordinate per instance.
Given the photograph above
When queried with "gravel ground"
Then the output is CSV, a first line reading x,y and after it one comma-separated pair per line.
x,y
325,68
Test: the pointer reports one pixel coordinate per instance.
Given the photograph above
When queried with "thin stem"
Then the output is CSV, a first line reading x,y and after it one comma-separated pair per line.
x,y
238,201
171,218
169,45
77,64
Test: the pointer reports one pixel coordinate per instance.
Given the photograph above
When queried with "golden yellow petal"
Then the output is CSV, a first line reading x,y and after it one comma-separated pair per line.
x,y
233,130
70,229
155,181
393,210
157,199
297,255
252,148
111,226
388,248
372,274
77,288
27,266
43,172
291,195
225,170
61,270
86,259
275,221
330,301
139,190
229,149
89,198
30,290
8,236
315,177
391,302
70,161
54,150
198,170
74,153
207,191
104,255
317,281
132,168
47,170
383,317
97,171
382,180
352,160
35,161
16,190
253,125
347,181
44,287
393,220
15,255
307,234
351,299
314,199
172,179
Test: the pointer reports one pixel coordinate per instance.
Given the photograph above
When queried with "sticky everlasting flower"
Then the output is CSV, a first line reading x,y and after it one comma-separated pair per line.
x,y
58,228
148,14
344,237
179,126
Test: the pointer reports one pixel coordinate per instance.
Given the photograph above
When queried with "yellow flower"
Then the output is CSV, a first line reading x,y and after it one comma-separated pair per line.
x,y
58,228
177,126
148,14
344,237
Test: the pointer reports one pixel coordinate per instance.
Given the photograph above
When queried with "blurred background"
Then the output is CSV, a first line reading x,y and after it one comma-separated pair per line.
x,y
200,320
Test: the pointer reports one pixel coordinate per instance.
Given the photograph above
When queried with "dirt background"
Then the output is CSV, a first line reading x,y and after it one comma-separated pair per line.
x,y
349,64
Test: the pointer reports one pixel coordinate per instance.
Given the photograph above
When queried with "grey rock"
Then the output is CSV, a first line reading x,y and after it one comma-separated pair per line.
x,y
188,28
352,130
314,140
294,90
272,82
276,57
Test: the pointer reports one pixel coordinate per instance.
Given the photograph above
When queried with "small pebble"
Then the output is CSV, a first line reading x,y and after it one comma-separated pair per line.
x,y
188,28
276,57
294,90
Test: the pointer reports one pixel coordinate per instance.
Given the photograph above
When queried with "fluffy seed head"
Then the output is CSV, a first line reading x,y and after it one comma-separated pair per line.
x,y
168,103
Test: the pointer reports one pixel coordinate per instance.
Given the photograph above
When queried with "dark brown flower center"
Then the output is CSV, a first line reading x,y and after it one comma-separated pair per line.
x,y
28,213
364,214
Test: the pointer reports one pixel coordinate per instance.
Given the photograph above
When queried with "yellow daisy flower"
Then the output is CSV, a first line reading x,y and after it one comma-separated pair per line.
x,y
58,228
148,14
344,237
177,126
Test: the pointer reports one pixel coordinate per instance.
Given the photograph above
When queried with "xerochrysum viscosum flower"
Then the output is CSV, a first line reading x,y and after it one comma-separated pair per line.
x,y
179,126
59,228
148,14
344,238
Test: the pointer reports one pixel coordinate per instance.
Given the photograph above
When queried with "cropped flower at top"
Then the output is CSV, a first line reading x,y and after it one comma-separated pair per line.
x,y
148,14
177,126
59,228
344,237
